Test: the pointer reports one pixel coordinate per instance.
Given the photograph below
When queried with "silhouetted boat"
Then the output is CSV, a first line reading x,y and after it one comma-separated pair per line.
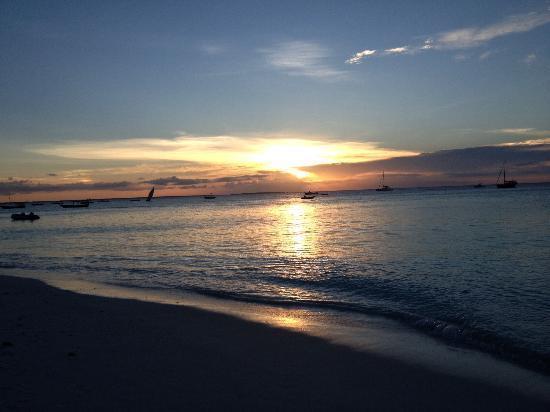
x,y
150,195
506,184
382,187
479,185
307,197
309,193
210,196
17,205
74,205
22,216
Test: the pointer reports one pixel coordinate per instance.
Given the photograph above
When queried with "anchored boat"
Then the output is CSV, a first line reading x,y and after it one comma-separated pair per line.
x,y
506,184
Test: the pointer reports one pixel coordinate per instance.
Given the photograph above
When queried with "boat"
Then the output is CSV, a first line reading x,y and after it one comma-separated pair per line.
x,y
506,184
210,196
150,195
23,216
75,205
307,197
382,187
478,186
309,193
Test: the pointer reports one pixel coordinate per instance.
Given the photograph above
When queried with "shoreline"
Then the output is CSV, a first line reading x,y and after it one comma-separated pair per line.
x,y
65,350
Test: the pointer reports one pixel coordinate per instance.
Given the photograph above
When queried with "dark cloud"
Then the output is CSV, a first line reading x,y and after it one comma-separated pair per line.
x,y
190,182
52,174
449,166
28,186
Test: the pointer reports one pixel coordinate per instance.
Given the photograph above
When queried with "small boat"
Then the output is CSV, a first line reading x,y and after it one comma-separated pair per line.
x,y
23,216
382,187
309,193
210,196
74,205
150,195
17,205
506,184
307,197
478,186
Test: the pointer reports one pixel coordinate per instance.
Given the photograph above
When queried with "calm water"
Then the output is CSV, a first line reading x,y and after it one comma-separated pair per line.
x,y
470,266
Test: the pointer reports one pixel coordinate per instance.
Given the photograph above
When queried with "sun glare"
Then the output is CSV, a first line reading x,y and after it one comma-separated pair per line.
x,y
290,156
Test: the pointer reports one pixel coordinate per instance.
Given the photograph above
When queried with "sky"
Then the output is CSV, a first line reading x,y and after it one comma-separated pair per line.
x,y
106,99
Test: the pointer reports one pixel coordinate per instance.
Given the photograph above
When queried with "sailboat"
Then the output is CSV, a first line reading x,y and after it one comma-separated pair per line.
x,y
382,187
150,195
506,184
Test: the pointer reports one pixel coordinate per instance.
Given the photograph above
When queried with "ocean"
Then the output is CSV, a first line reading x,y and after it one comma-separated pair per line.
x,y
470,267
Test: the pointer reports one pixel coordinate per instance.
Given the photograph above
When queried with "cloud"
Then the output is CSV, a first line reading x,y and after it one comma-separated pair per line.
x,y
261,151
397,50
485,55
458,166
525,131
52,174
469,37
530,58
212,49
190,182
24,186
301,58
477,36
359,56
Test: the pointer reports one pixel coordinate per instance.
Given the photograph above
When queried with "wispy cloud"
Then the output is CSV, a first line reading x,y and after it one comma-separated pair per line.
x,y
467,37
302,58
357,57
535,136
526,131
397,50
211,49
530,58
477,36
486,54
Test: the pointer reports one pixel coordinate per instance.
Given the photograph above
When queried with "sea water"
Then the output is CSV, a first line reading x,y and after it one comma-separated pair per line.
x,y
467,266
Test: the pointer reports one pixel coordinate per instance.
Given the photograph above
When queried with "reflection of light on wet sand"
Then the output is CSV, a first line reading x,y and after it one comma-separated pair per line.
x,y
288,322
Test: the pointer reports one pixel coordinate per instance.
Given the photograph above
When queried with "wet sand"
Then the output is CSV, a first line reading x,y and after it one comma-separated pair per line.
x,y
65,351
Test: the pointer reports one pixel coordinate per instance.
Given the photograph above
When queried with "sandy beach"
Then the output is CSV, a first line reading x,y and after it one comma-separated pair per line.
x,y
65,351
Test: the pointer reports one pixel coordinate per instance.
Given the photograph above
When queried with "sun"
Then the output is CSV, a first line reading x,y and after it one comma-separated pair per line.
x,y
289,156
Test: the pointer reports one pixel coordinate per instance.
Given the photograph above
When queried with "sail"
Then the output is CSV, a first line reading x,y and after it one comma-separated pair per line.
x,y
150,195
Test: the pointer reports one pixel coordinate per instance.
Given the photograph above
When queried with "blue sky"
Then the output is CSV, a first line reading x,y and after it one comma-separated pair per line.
x,y
429,75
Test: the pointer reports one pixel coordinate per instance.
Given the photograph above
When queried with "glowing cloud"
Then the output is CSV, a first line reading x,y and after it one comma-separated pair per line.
x,y
285,153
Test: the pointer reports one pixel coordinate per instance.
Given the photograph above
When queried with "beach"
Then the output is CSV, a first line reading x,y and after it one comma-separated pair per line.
x,y
66,351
